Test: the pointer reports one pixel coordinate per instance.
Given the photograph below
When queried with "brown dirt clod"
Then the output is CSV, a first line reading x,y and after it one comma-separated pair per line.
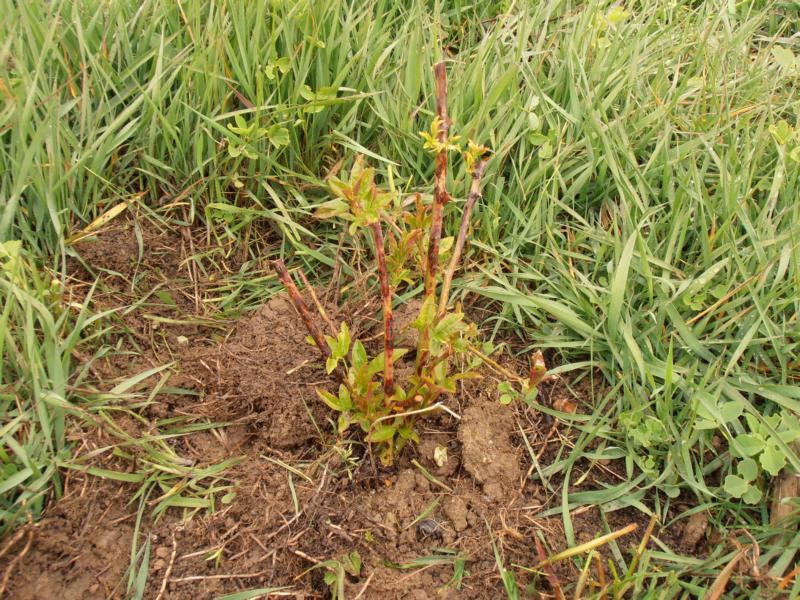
x,y
488,454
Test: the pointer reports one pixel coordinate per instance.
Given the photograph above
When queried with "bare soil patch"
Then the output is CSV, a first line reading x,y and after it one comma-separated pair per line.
x,y
259,376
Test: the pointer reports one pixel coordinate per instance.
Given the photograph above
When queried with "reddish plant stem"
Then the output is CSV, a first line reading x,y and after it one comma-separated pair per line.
x,y
302,310
550,574
440,198
474,196
301,307
386,296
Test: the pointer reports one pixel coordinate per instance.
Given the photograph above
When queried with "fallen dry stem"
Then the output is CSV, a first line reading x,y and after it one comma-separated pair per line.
x,y
497,366
320,309
591,545
717,589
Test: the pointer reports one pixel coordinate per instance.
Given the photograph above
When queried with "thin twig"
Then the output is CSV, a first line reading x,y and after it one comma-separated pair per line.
x,y
12,541
474,196
497,366
13,564
234,576
415,412
366,585
168,572
320,309
717,588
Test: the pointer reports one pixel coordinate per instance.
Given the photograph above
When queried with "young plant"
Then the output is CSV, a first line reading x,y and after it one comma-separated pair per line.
x,y
760,452
337,570
369,394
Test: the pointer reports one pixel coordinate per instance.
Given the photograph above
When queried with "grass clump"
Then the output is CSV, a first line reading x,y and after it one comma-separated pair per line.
x,y
38,379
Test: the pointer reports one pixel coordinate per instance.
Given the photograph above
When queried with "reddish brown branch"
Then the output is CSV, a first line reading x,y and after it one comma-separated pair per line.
x,y
474,196
386,296
550,574
301,307
440,196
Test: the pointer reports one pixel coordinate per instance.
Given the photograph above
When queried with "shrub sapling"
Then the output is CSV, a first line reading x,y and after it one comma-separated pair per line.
x,y
369,394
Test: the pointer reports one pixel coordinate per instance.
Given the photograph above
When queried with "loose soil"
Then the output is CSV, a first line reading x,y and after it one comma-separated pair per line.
x,y
258,376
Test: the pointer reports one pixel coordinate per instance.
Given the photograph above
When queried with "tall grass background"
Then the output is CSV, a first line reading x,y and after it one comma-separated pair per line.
x,y
639,218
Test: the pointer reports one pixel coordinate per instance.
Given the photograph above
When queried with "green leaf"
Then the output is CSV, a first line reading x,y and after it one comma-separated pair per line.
x,y
333,344
620,283
329,399
747,445
343,422
752,495
748,469
781,131
450,325
784,57
617,15
426,315
343,341
773,459
284,63
339,188
166,298
382,433
731,411
359,355
376,365
531,395
352,563
344,397
315,42
278,135
537,139
306,92
736,486
331,208
331,363
546,150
